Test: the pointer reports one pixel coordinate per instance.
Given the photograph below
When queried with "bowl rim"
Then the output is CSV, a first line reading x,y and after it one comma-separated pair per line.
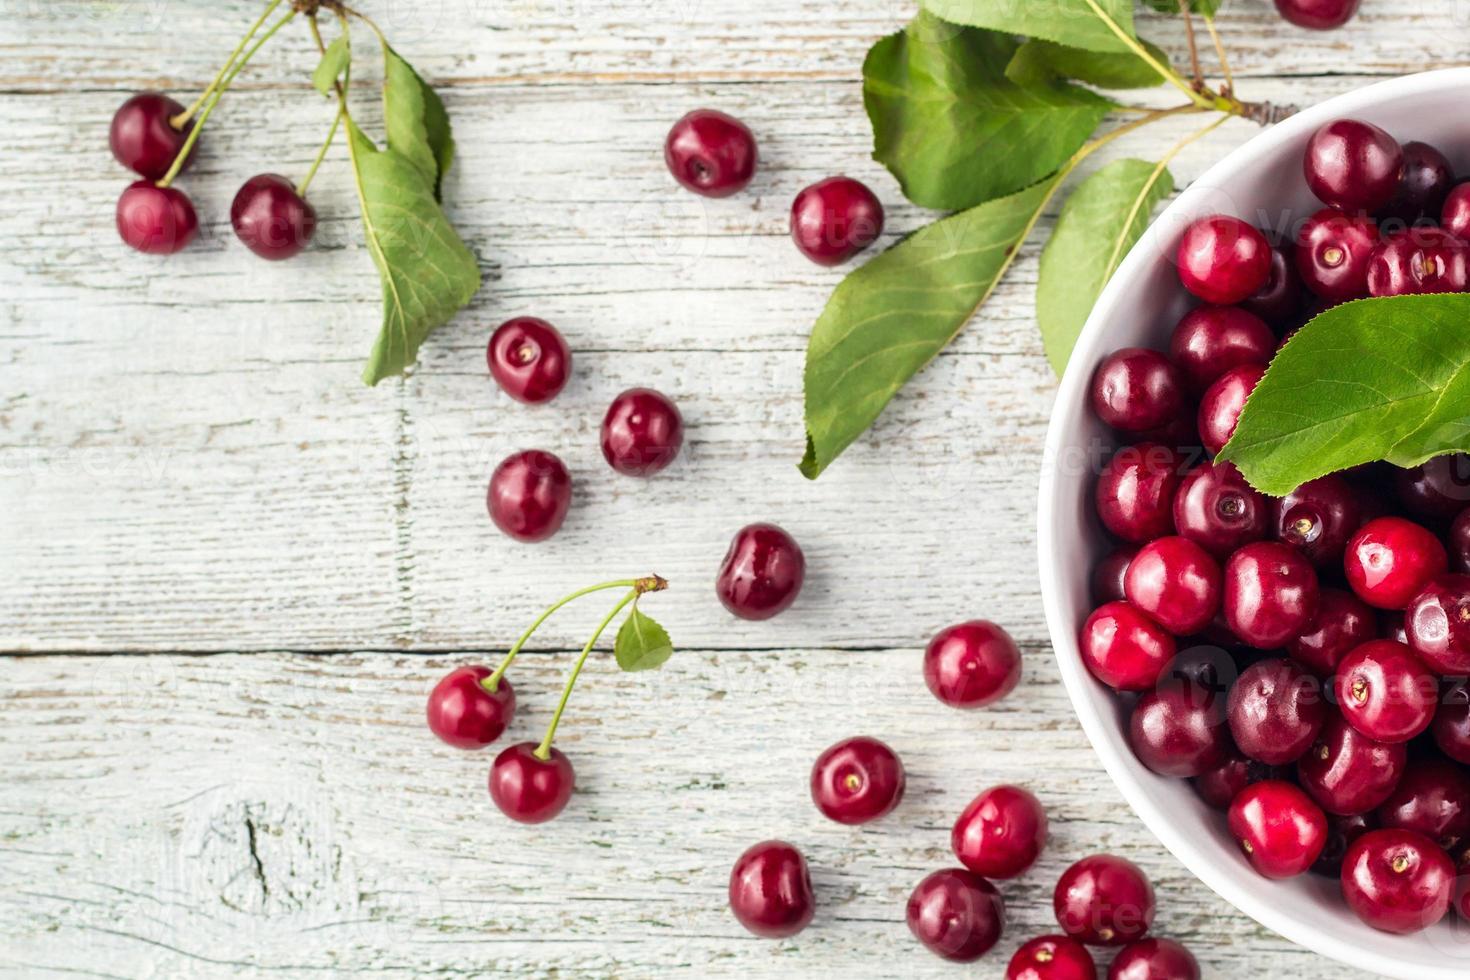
x,y
1275,915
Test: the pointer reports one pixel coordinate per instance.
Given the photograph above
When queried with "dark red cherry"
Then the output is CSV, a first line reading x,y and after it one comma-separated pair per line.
x,y
1154,959
1391,560
1417,262
156,220
1136,389
1347,772
1333,252
1451,726
1104,900
1211,340
1455,218
1178,728
835,219
1109,575
771,890
1276,711
1318,15
857,781
529,359
1270,595
972,665
528,788
1428,177
1052,958
1223,260
956,914
1124,648
1001,833
465,713
1218,786
641,432
1318,517
762,572
529,496
1342,623
271,219
1176,582
1397,881
143,139
1135,492
1215,508
1353,165
711,153
1432,799
1280,829
1279,302
1437,490
1437,624
1386,692
1222,403
1341,832
1459,541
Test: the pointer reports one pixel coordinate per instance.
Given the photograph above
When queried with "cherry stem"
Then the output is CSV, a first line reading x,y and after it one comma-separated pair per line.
x,y
543,751
177,122
1203,99
322,153
1194,65
1220,54
219,92
492,683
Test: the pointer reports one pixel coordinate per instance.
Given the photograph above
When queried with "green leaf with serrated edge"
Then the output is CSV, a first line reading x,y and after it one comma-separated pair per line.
x,y
1040,62
333,64
428,274
1079,23
1104,217
1206,7
1374,379
415,118
953,129
890,317
642,644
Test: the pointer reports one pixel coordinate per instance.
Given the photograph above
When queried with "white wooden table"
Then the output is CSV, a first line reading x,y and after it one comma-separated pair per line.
x,y
230,572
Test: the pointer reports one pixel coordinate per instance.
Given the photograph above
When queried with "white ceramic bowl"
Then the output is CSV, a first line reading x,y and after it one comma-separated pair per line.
x,y
1259,182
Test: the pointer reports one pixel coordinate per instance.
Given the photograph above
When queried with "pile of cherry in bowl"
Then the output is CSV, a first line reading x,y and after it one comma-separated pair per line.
x,y
1303,659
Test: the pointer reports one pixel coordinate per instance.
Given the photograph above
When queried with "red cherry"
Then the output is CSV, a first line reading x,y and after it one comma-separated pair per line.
x,y
142,137
1417,262
1136,390
1342,623
1135,492
762,572
1397,881
972,665
529,496
271,219
1223,401
711,153
835,219
1215,508
1154,959
1353,165
857,781
465,713
1341,832
156,220
771,890
1438,489
1211,340
1001,833
1223,260
1437,624
641,432
1280,829
1432,799
1386,692
1390,560
1178,728
1318,517
1318,15
529,359
1276,711
1124,648
1104,901
1052,958
1279,301
1451,726
1110,574
1455,218
1349,773
1333,253
1270,595
1176,582
956,914
1428,177
1219,786
528,788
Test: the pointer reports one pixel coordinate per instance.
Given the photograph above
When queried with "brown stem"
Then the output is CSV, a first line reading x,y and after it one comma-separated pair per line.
x,y
1194,65
1266,113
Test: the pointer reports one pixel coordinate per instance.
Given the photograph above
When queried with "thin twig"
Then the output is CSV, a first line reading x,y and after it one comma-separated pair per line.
x,y
1165,72
1199,74
1220,53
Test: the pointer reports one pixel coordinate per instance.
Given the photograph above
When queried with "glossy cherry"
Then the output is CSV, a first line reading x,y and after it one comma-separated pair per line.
x,y
143,139
1386,692
1178,728
1451,726
1104,900
1280,829
1136,389
1052,958
761,573
1154,959
1176,582
641,432
1437,624
529,359
465,713
1432,799
1220,785
1437,490
1333,253
1276,710
1223,260
1397,881
1426,182
1417,262
1341,832
1222,403
1347,772
271,219
835,219
1215,508
1211,340
1318,517
1135,491
1342,623
956,914
1353,165
1279,302
711,153
1270,595
1001,833
771,890
1124,648
528,788
1390,560
156,220
1318,15
857,780
529,496
1111,573
1455,218
972,664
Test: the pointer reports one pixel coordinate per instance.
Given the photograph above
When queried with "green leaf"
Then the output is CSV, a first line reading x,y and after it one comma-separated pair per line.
x,y
890,317
1079,23
334,62
1207,7
642,644
1041,62
428,274
953,129
415,118
1375,379
1104,217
